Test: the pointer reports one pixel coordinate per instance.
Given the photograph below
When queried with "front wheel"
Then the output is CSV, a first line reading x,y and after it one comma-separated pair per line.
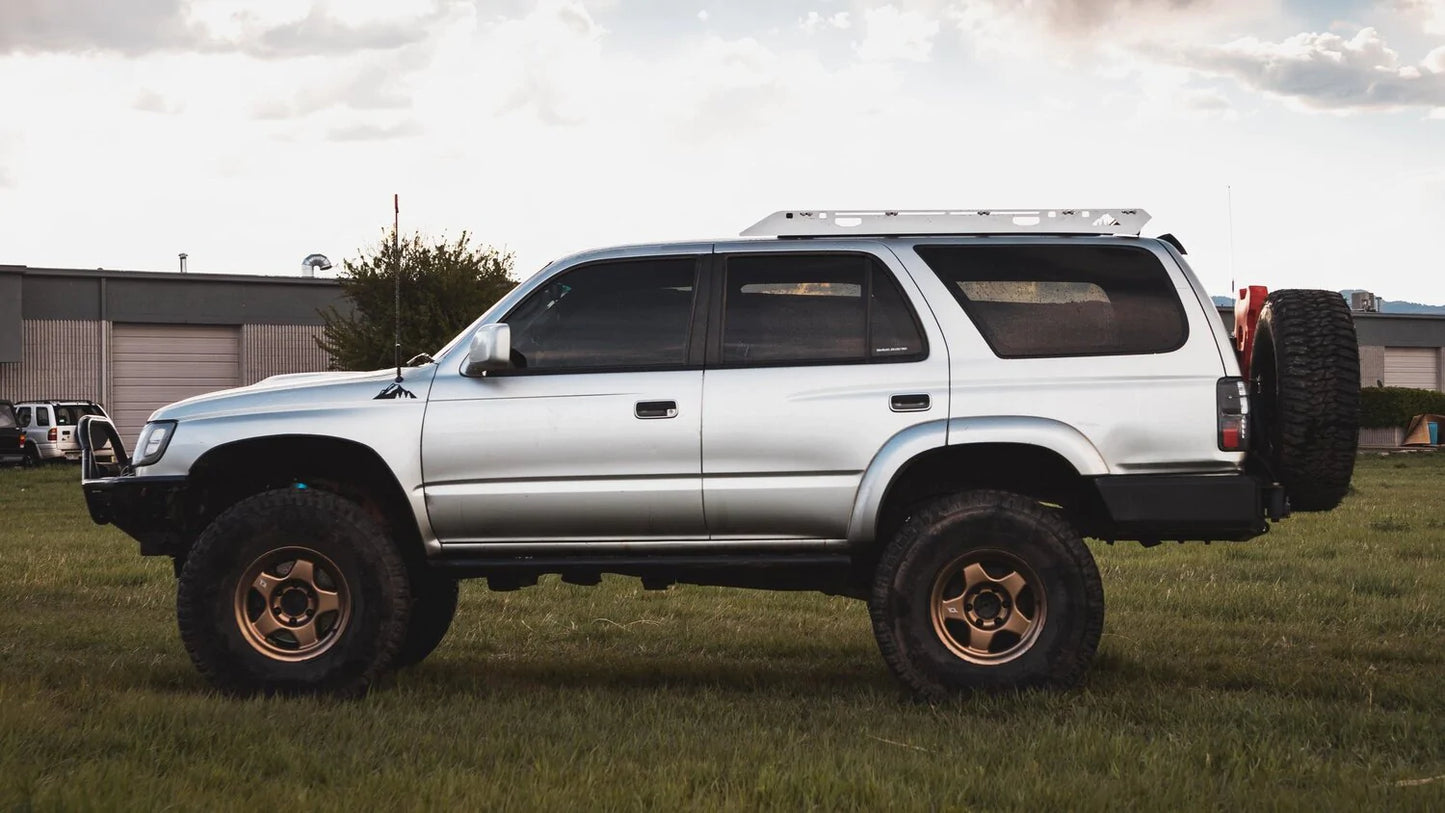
x,y
987,590
293,591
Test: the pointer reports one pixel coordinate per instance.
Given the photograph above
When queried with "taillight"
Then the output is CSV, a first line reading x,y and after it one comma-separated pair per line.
x,y
1232,397
53,435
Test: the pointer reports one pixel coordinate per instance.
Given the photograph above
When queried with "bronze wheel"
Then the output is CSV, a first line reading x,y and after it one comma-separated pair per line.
x,y
987,607
293,591
986,590
292,604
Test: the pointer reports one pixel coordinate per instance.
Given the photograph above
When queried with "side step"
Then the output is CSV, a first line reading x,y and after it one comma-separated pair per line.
x,y
827,572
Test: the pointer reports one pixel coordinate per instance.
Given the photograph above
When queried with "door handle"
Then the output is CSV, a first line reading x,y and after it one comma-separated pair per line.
x,y
912,402
655,409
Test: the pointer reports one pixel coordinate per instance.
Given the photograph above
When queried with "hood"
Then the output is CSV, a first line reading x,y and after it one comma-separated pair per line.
x,y
299,392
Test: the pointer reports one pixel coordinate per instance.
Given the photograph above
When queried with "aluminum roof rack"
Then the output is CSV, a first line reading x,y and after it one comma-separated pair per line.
x,y
818,223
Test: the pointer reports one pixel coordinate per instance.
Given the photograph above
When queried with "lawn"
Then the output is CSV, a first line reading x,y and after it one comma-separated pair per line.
x,y
1301,670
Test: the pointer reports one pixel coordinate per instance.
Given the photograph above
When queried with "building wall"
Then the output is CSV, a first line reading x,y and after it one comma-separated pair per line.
x,y
268,350
62,358
1372,365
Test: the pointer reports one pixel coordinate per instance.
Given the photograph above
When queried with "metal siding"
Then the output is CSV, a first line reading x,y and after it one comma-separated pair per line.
x,y
1417,367
154,365
61,359
268,350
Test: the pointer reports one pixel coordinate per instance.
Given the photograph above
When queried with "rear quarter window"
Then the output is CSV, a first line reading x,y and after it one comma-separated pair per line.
x,y
1063,300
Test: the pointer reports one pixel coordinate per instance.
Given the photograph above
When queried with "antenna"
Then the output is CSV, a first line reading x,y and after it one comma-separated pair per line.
x,y
396,275
395,389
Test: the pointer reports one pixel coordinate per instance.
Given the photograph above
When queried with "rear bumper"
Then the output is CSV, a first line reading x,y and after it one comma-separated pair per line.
x,y
146,508
1183,507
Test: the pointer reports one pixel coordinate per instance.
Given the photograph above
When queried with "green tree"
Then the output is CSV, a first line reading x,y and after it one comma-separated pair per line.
x,y
444,286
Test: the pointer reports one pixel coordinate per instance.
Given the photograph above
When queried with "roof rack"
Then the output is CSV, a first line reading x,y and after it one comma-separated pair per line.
x,y
818,223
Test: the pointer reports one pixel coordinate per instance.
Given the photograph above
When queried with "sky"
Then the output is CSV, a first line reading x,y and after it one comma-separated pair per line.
x,y
1286,143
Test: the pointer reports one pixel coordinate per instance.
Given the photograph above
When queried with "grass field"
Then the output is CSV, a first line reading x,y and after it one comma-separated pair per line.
x,y
1303,670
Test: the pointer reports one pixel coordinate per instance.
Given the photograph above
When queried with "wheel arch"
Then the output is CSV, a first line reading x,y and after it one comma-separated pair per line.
x,y
1041,458
351,469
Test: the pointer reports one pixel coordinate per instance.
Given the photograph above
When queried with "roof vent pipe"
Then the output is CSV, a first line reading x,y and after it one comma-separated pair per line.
x,y
313,262
182,257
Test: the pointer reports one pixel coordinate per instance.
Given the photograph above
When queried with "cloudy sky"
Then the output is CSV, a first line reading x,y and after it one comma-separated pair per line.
x,y
250,133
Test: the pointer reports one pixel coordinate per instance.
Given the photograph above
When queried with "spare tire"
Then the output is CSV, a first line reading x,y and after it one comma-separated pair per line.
x,y
1305,375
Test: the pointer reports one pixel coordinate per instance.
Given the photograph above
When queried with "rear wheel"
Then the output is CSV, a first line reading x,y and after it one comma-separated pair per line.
x,y
1305,379
293,591
32,455
987,590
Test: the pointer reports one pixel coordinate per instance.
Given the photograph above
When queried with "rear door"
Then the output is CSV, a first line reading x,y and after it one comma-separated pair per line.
x,y
817,360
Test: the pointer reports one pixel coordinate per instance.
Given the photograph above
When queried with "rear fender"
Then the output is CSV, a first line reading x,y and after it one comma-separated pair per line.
x,y
1059,438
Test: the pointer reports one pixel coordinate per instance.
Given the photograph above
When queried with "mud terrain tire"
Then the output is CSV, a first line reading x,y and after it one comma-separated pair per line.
x,y
255,619
1029,616
1305,379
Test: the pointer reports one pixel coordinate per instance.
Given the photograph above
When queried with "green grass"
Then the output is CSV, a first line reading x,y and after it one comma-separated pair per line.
x,y
1301,670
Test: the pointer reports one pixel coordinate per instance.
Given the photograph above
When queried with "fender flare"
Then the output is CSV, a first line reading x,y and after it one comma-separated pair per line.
x,y
1054,436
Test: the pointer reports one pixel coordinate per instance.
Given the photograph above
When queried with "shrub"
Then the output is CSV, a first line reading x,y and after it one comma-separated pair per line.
x,y
1384,407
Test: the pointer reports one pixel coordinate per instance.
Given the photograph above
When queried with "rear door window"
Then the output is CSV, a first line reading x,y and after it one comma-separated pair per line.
x,y
42,416
815,308
1063,300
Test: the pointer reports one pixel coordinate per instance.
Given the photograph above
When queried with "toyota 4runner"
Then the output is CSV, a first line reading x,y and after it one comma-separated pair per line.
x,y
928,411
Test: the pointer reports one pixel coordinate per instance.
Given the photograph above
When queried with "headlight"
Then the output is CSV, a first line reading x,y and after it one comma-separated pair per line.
x,y
153,441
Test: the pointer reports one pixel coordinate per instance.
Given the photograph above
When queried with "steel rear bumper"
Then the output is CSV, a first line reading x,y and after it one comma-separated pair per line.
x,y
1183,507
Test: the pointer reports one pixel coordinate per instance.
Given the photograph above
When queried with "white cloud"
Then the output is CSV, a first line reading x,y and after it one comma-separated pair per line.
x,y
1430,14
150,101
893,35
1326,71
815,21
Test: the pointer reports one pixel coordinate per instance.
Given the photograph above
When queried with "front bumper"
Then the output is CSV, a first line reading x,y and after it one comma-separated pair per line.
x,y
149,509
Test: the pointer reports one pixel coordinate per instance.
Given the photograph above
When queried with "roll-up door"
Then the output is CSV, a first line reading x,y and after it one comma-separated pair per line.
x,y
1417,367
154,365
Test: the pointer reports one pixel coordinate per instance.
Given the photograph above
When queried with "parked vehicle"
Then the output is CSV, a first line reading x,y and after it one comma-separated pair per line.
x,y
50,427
12,437
928,411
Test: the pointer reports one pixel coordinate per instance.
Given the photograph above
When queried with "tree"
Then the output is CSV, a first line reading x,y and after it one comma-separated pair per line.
x,y
444,286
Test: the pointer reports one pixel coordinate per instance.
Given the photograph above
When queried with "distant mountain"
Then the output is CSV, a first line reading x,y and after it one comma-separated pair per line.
x,y
1400,306
1386,305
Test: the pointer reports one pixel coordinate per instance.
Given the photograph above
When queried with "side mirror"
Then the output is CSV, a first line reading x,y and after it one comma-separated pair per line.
x,y
491,349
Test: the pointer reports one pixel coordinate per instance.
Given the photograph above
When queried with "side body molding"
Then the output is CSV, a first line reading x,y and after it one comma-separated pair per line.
x,y
1059,438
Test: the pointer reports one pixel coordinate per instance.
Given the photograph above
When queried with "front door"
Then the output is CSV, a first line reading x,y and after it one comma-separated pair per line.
x,y
595,435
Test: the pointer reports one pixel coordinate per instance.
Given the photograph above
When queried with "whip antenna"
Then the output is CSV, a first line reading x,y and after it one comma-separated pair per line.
x,y
395,389
396,276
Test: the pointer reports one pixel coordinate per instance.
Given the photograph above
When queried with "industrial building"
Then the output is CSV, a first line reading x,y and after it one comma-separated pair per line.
x,y
135,341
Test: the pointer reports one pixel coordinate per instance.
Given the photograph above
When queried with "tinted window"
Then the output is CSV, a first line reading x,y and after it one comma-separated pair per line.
x,y
69,415
814,308
1063,300
22,415
609,315
42,416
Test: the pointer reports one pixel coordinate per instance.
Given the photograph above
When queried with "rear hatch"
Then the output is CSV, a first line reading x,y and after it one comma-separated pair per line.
x,y
10,434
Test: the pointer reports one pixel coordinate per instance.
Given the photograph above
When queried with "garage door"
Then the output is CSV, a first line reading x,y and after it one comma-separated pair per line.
x,y
154,365
1417,367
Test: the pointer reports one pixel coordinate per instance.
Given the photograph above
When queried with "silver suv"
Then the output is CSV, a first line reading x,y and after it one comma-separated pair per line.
x,y
50,428
928,411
